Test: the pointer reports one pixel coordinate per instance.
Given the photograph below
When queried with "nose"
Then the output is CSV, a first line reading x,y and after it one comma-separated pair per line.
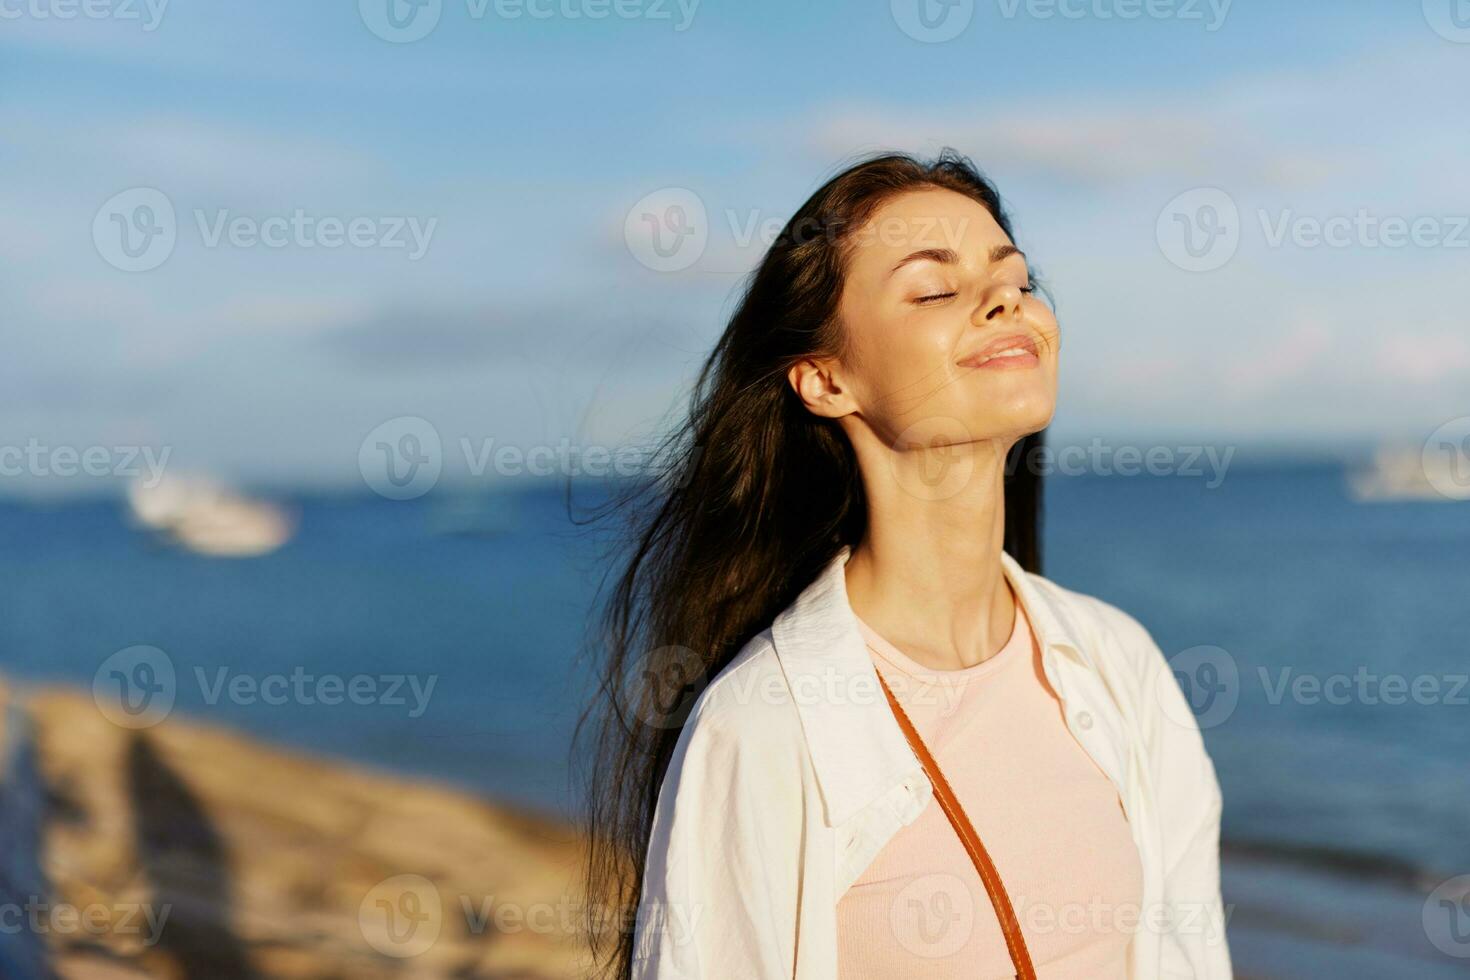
x,y
1002,301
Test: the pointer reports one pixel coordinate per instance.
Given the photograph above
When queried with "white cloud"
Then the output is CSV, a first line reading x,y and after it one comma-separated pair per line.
x,y
1352,120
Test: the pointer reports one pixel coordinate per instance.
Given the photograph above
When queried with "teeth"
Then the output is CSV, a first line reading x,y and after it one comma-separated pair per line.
x,y
1009,352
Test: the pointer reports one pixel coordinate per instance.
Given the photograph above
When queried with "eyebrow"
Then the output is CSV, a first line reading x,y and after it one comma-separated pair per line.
x,y
948,256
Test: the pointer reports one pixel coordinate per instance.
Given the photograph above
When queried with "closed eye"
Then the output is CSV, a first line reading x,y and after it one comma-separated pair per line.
x,y
932,298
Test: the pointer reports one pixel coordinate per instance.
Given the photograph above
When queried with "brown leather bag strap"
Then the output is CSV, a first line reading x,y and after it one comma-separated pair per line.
x,y
1020,956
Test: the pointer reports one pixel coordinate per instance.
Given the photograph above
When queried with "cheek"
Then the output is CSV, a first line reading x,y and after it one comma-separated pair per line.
x,y
897,352
1051,332
911,347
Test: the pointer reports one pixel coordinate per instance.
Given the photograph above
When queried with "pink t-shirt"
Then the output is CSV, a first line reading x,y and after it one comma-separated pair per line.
x,y
1051,820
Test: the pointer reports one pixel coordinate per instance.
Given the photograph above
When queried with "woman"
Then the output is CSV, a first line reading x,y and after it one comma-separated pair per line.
x,y
833,616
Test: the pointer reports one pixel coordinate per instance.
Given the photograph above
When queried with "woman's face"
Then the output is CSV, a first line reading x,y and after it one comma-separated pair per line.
x,y
945,342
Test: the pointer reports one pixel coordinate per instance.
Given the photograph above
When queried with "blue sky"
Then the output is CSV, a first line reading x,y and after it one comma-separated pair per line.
x,y
518,145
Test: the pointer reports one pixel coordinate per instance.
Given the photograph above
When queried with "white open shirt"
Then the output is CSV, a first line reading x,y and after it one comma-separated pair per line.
x,y
791,773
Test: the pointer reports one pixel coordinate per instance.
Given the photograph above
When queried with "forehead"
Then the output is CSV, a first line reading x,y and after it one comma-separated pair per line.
x,y
929,218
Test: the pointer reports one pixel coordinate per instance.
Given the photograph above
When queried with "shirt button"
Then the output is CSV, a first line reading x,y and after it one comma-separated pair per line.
x,y
1084,719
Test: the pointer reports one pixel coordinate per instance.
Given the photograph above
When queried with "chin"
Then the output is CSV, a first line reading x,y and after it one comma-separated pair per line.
x,y
1013,430
1018,417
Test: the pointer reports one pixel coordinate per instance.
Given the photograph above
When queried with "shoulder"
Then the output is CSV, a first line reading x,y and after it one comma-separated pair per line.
x,y
1146,692
747,708
1145,686
1105,628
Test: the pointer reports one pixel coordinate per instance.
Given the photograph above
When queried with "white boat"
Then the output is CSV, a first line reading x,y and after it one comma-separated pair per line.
x,y
203,516
1408,473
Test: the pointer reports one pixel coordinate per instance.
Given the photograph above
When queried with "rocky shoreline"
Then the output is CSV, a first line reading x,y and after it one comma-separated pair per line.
x,y
184,851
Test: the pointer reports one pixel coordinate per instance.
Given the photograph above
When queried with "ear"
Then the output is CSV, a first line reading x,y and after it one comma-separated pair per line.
x,y
820,388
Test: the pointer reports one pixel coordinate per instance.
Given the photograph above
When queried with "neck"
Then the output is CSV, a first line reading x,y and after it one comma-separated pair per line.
x,y
927,574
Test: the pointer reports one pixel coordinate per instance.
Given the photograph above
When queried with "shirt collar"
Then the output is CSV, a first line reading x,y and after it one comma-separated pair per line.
x,y
857,748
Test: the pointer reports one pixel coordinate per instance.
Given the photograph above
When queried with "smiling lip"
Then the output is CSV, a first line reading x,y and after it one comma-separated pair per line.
x,y
1013,351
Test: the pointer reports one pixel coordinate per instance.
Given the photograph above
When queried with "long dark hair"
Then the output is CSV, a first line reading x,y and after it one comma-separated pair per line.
x,y
752,496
